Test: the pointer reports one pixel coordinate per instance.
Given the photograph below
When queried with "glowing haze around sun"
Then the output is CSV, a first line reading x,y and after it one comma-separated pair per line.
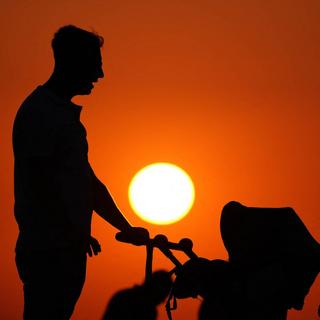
x,y
161,193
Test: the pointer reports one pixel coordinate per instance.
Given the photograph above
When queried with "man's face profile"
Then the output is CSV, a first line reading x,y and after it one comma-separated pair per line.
x,y
85,69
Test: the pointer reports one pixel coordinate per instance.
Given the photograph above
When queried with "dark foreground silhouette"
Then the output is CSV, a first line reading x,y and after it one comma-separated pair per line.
x,y
273,262
140,302
55,188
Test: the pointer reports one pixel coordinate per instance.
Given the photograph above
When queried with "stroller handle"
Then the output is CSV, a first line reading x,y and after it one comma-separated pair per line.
x,y
160,241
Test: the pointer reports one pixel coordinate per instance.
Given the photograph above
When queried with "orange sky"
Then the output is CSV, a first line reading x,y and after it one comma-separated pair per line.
x,y
228,90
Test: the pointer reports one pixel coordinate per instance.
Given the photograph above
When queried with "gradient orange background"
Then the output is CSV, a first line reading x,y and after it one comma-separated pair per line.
x,y
228,90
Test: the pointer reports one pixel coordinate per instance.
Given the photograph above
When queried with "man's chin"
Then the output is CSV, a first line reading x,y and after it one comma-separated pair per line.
x,y
84,91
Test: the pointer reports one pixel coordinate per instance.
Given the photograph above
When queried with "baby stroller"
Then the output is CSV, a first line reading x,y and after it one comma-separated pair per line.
x,y
273,262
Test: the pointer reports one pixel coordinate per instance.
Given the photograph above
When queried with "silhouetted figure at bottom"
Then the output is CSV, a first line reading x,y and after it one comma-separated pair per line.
x,y
140,302
273,262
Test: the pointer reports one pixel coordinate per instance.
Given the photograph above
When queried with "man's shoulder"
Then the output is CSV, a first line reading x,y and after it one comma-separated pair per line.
x,y
39,109
37,102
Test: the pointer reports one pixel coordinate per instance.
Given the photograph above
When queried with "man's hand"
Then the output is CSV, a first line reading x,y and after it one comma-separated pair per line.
x,y
93,247
135,235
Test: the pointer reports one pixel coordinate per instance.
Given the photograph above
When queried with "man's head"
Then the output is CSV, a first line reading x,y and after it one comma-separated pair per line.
x,y
77,58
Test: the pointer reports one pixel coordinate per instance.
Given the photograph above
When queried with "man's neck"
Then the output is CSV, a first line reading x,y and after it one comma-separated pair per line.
x,y
59,87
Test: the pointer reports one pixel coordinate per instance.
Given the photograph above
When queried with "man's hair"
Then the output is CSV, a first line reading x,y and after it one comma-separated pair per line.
x,y
70,41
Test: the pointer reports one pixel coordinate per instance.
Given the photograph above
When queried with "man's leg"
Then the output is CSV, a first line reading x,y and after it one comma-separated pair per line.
x,y
52,283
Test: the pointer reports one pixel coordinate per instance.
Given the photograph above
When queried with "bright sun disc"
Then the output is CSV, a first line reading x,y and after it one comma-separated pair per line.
x,y
161,193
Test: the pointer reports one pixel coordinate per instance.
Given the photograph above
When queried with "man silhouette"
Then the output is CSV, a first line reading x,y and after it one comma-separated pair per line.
x,y
56,189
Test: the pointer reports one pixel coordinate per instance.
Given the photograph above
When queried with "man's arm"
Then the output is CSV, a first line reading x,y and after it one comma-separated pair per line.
x,y
106,208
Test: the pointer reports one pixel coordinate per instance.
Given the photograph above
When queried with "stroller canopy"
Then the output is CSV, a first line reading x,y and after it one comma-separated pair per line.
x,y
259,237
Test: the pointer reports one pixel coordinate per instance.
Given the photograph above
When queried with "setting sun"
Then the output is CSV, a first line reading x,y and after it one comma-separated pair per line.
x,y
161,193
